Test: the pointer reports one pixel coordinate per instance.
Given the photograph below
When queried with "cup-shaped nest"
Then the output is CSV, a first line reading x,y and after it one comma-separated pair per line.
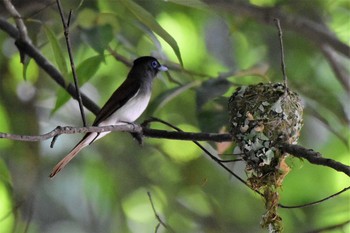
x,y
261,117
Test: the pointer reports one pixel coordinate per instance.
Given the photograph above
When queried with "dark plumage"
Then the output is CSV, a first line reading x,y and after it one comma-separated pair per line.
x,y
126,104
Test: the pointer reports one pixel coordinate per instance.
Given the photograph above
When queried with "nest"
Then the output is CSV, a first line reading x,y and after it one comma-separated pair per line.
x,y
262,117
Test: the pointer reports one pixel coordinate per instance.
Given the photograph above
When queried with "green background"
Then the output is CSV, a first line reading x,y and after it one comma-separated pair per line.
x,y
105,188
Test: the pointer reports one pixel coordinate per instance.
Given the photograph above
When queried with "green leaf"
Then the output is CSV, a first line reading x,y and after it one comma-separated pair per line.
x,y
62,98
88,68
146,18
57,51
98,37
85,70
25,67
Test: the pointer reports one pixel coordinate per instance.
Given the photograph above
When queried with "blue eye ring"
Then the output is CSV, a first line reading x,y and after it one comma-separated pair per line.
x,y
154,64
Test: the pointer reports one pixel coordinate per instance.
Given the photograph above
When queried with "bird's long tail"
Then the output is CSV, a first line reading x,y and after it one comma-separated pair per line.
x,y
87,140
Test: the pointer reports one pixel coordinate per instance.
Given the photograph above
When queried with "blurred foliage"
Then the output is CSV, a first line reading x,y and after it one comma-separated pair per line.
x,y
105,188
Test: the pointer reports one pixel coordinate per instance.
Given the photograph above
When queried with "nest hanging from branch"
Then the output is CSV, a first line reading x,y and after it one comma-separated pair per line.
x,y
261,117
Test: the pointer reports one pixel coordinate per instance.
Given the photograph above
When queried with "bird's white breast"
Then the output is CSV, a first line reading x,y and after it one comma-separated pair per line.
x,y
130,111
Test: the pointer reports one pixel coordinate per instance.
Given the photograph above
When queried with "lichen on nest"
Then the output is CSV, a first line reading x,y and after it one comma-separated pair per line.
x,y
261,117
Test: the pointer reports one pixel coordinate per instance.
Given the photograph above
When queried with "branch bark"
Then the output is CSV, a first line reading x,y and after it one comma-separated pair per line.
x,y
295,150
22,29
314,157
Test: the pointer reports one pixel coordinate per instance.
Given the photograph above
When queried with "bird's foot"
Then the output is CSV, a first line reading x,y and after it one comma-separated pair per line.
x,y
138,136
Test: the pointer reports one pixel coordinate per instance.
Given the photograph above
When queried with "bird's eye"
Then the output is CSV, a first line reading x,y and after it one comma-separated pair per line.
x,y
154,64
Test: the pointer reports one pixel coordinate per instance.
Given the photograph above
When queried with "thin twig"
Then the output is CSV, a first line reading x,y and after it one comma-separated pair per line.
x,y
315,202
75,78
231,160
53,141
213,157
119,57
329,228
160,221
157,227
283,64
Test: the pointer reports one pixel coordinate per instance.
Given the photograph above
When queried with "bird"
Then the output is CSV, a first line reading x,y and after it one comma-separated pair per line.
x,y
125,105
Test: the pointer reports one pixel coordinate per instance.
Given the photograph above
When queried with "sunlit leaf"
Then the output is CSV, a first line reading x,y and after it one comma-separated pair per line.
x,y
57,51
146,18
85,71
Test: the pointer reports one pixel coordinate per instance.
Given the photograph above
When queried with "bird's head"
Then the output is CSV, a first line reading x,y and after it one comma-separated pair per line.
x,y
149,64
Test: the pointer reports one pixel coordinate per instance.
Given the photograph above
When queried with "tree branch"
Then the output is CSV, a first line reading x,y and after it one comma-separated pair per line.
x,y
29,49
295,150
23,34
314,157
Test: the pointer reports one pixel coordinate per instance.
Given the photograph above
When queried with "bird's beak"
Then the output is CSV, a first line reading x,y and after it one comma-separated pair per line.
x,y
162,68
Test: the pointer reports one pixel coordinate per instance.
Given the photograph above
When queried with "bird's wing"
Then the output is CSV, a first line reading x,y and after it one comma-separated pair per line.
x,y
125,92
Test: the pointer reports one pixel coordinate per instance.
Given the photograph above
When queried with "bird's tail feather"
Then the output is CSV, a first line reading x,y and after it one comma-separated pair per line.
x,y
87,140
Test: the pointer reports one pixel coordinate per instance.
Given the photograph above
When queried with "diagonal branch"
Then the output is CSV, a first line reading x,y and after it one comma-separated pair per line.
x,y
29,49
23,34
